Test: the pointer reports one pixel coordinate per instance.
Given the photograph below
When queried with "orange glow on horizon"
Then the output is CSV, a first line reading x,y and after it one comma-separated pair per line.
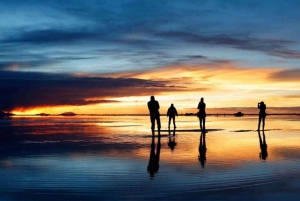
x,y
221,85
29,111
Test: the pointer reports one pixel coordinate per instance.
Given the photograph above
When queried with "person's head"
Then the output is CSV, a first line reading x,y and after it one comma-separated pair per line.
x,y
202,99
152,98
172,105
262,103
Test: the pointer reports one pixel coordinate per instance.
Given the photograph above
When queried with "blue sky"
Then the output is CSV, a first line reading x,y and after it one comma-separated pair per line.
x,y
103,38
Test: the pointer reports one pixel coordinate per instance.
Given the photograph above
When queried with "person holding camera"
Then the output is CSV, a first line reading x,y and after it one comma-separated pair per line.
x,y
262,114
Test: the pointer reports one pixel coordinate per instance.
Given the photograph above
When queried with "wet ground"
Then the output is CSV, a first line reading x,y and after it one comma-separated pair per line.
x,y
116,158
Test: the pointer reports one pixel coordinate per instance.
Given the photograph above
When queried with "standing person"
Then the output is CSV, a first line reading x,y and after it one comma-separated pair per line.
x,y
153,107
171,114
262,114
202,113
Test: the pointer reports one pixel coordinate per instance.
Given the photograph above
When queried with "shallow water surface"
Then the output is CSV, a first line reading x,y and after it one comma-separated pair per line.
x,y
116,158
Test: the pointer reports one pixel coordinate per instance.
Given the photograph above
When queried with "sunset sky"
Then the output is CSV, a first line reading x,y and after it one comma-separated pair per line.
x,y
109,57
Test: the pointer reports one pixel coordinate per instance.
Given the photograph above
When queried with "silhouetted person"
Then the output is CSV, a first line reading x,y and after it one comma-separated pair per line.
x,y
172,140
172,112
263,146
262,114
153,107
202,113
202,149
153,164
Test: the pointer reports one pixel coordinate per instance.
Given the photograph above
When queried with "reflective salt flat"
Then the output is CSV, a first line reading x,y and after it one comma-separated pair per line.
x,y
189,130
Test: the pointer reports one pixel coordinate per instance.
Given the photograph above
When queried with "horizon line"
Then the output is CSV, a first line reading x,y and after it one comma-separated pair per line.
x,y
185,114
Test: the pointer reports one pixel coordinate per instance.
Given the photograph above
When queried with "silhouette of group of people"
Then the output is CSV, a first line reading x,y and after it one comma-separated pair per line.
x,y
153,107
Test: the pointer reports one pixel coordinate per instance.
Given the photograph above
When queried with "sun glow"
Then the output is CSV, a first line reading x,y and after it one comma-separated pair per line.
x,y
221,85
30,111
42,110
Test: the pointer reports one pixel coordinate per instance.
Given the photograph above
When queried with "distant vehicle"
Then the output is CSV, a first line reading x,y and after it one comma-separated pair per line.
x,y
68,114
239,114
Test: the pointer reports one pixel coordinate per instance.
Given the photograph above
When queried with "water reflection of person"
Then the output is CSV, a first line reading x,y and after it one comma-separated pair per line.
x,y
153,165
263,146
262,114
201,113
202,149
172,140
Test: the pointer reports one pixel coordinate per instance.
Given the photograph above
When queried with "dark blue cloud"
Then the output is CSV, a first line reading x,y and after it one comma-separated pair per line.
x,y
39,89
51,36
275,47
111,36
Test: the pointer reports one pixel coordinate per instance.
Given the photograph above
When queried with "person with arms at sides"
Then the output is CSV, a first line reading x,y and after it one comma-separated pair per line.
x,y
202,114
153,107
172,112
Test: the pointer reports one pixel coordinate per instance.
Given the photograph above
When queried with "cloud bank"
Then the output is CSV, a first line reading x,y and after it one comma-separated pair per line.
x,y
27,90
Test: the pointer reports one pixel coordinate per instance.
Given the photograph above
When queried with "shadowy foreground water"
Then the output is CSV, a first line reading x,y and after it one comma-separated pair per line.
x,y
117,158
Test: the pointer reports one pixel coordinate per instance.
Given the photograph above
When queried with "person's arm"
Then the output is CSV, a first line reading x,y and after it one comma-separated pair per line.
x,y
176,112
168,112
157,105
258,106
198,106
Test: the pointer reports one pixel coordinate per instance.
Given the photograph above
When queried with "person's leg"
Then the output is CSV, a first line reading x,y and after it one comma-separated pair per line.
x,y
259,119
158,122
200,118
169,121
263,122
204,123
152,118
174,122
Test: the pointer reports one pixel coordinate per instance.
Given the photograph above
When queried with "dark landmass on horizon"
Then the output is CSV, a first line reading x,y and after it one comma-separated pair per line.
x,y
189,114
5,114
43,114
229,111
